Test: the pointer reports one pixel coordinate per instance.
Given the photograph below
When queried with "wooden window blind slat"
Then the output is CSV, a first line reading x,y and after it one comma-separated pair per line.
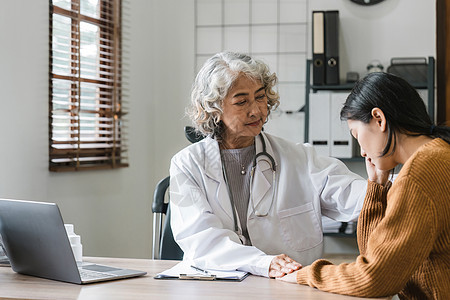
x,y
86,111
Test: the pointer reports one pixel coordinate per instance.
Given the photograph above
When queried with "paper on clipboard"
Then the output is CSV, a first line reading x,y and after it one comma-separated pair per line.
x,y
183,270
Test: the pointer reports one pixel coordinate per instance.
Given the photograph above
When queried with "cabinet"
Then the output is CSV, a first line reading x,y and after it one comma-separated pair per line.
x,y
311,89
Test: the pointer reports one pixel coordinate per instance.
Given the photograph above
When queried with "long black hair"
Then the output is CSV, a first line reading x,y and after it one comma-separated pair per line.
x,y
404,109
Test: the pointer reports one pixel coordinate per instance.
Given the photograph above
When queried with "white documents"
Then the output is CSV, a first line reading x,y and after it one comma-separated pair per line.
x,y
327,133
319,122
342,142
188,270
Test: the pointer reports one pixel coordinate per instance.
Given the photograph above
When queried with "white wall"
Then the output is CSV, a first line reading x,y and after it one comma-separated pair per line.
x,y
393,28
111,209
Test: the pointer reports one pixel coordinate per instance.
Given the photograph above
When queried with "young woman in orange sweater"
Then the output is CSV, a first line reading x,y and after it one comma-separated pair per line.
x,y
404,228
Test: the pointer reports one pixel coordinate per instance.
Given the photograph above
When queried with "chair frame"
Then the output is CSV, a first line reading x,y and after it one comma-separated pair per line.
x,y
159,209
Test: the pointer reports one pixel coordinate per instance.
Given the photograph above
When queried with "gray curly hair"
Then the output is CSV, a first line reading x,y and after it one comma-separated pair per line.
x,y
213,82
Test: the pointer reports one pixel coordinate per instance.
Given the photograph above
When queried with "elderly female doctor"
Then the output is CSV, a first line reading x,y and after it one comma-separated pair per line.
x,y
243,199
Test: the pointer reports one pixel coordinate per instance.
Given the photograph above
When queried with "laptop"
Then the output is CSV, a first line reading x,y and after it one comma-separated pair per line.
x,y
36,243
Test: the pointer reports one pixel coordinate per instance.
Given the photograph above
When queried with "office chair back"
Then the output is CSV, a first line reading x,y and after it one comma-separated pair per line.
x,y
192,135
164,245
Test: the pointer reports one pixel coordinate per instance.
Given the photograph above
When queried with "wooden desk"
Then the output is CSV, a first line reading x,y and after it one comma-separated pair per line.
x,y
17,286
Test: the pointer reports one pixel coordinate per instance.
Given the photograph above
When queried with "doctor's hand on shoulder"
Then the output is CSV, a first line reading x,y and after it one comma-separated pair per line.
x,y
282,265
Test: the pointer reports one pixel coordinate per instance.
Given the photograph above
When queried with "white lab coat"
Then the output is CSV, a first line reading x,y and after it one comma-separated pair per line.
x,y
307,186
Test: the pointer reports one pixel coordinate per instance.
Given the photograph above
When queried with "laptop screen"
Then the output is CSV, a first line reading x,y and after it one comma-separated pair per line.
x,y
36,241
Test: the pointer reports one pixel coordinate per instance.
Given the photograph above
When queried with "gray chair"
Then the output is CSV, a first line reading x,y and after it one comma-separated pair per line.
x,y
164,245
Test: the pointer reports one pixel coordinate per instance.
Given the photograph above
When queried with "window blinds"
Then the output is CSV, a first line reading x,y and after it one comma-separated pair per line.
x,y
86,115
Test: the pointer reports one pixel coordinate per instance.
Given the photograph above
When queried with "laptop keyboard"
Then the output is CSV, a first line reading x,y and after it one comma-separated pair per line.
x,y
99,268
89,274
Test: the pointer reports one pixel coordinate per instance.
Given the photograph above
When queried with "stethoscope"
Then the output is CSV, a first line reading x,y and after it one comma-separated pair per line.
x,y
269,159
262,156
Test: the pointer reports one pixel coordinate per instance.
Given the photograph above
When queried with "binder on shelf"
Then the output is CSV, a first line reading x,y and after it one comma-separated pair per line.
x,y
331,47
319,122
342,143
318,43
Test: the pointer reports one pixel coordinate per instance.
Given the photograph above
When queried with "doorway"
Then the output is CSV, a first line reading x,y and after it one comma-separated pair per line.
x,y
443,61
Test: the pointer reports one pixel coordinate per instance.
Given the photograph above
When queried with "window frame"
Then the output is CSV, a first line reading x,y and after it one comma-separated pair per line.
x,y
106,147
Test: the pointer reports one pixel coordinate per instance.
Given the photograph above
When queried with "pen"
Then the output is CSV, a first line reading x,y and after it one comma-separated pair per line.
x,y
198,269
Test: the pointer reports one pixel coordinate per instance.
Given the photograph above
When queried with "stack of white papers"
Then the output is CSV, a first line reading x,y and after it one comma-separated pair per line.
x,y
188,270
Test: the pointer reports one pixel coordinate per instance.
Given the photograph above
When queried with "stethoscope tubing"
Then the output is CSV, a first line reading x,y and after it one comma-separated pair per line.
x,y
264,153
271,161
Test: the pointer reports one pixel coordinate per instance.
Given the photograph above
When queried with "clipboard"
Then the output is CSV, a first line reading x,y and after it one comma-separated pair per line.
x,y
200,277
185,271
197,277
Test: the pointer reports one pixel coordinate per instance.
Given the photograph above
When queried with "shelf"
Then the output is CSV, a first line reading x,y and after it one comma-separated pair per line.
x,y
339,234
351,159
419,85
340,87
349,86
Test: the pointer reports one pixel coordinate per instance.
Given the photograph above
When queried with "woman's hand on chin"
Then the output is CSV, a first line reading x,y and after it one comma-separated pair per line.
x,y
376,175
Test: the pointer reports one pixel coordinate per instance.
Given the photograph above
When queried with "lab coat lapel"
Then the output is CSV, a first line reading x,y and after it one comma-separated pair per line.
x,y
262,182
213,167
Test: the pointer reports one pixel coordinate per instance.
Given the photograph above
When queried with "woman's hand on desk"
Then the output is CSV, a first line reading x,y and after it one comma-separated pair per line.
x,y
282,265
291,278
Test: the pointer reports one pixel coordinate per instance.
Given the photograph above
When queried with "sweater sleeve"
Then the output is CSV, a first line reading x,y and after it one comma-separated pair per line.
x,y
372,213
395,246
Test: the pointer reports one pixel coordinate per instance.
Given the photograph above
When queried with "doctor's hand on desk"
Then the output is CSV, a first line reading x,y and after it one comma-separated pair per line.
x,y
282,265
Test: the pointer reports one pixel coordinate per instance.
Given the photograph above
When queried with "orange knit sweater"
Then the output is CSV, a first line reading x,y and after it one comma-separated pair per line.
x,y
403,235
